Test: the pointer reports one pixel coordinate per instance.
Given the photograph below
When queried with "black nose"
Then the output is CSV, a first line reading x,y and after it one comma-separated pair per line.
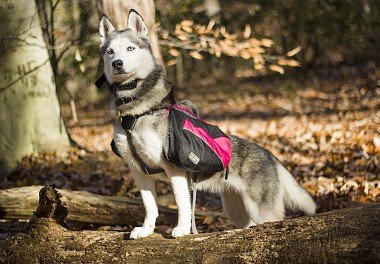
x,y
117,64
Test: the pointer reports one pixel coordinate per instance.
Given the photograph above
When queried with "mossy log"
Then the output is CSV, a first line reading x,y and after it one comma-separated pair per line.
x,y
350,235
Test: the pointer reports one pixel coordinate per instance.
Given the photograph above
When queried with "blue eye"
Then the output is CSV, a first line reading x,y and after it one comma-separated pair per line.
x,y
130,48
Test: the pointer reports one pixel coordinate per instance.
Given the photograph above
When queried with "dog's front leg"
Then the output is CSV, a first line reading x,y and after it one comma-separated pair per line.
x,y
148,194
181,192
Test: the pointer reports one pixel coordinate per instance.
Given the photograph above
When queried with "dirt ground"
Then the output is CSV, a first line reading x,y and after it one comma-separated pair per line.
x,y
324,126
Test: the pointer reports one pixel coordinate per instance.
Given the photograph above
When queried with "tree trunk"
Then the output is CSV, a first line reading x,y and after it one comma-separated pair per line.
x,y
350,235
29,110
117,11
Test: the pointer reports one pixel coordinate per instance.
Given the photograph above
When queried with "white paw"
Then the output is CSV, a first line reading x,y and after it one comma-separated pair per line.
x,y
180,231
140,232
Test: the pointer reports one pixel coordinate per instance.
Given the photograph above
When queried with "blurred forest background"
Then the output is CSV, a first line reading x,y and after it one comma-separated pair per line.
x,y
300,78
329,33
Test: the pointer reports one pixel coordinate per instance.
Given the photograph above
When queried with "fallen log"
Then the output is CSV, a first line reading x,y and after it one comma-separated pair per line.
x,y
350,235
20,203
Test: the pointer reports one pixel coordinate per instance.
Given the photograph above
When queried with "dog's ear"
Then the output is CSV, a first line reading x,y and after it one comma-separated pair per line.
x,y
136,23
105,28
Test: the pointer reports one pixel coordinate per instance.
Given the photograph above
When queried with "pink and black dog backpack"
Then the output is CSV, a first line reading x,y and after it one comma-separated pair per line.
x,y
199,148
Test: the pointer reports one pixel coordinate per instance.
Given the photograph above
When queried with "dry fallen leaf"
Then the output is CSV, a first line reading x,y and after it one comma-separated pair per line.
x,y
292,63
293,51
174,52
267,42
277,68
196,55
171,63
247,31
187,23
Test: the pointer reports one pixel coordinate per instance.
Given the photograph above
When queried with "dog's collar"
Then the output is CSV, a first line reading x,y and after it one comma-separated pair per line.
x,y
128,86
116,86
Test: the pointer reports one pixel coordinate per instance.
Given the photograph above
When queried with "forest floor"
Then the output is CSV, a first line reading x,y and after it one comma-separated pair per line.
x,y
324,126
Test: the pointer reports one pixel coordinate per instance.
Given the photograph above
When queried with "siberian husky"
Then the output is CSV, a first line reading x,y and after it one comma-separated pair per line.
x,y
258,187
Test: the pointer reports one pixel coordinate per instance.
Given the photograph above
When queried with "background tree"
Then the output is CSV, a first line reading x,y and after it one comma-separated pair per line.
x,y
117,11
29,110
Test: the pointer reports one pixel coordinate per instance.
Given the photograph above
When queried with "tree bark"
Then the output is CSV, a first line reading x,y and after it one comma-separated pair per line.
x,y
117,11
350,235
29,110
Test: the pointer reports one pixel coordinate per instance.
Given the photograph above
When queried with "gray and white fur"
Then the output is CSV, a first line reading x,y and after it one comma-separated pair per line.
x,y
258,187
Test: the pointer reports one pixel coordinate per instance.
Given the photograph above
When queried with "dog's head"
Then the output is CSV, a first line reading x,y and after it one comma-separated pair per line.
x,y
127,54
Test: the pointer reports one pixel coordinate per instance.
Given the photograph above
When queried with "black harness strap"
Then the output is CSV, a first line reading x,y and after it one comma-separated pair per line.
x,y
146,169
128,123
114,148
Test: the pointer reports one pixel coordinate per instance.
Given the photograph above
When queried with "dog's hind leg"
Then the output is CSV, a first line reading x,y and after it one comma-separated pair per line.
x,y
252,208
264,212
234,207
275,211
147,187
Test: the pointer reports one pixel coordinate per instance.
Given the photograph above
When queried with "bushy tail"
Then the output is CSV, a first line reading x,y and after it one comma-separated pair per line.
x,y
295,196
